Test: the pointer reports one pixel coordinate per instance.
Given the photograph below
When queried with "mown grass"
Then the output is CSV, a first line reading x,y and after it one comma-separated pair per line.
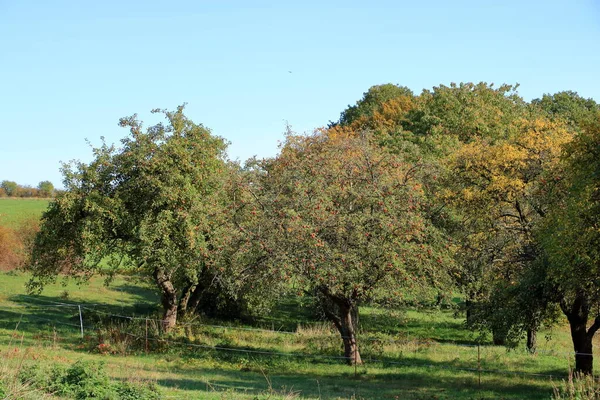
x,y
13,212
413,354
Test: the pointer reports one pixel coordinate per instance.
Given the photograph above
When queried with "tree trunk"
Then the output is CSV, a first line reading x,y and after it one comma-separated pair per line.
x,y
185,298
340,311
469,311
348,334
195,298
168,299
499,336
582,344
577,313
531,340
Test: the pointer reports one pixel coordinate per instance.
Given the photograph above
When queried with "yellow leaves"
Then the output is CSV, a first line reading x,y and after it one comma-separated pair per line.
x,y
468,194
507,168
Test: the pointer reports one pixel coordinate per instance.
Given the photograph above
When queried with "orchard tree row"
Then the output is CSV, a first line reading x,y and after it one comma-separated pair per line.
x,y
463,187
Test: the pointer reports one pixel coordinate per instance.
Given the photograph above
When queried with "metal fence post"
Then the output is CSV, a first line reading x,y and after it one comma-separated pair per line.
x,y
80,320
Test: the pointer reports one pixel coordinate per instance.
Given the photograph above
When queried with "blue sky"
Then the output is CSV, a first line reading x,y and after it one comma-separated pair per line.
x,y
70,69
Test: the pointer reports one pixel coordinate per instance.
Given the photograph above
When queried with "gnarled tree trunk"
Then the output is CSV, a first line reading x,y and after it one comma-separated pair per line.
x,y
348,334
342,312
168,297
184,299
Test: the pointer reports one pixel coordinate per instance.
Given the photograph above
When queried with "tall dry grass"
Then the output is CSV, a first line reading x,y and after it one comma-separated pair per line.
x,y
15,244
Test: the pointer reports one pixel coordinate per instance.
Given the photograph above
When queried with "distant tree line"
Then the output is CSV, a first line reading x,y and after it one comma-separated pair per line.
x,y
44,189
464,188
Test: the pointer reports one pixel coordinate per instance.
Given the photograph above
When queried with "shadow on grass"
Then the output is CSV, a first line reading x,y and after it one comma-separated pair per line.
x,y
446,330
58,327
430,384
420,378
139,294
289,313
146,303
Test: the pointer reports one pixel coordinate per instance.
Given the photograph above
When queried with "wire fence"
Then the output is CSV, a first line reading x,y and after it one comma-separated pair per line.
x,y
87,320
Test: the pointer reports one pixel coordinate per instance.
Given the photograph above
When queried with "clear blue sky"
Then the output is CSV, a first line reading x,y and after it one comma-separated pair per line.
x,y
70,69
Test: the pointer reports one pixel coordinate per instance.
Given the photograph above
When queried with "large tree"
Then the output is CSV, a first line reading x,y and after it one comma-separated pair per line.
x,y
155,203
348,221
571,238
500,189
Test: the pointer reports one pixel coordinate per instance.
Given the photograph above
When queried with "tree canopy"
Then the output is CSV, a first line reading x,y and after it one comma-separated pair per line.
x,y
155,203
348,222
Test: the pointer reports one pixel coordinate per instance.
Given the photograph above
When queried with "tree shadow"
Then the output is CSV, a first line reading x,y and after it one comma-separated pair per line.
x,y
140,294
145,305
432,329
288,314
398,384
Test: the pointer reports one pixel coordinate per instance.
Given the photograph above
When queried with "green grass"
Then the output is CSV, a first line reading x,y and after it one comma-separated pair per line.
x,y
15,211
413,354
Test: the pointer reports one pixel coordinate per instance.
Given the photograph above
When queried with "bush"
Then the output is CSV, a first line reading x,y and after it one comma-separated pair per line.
x,y
9,249
85,380
13,387
132,391
15,244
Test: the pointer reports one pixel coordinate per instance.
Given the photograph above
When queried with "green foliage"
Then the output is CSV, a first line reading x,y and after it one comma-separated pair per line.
x,y
46,189
571,236
84,380
342,219
155,203
131,391
13,189
348,219
10,187
569,106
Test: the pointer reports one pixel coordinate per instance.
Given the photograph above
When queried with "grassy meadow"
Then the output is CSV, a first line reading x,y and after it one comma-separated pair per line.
x,y
417,353
14,211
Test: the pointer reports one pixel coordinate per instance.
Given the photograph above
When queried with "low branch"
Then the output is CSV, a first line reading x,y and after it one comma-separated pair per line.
x,y
595,326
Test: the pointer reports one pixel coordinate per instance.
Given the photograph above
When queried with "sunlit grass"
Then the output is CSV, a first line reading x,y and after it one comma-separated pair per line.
x,y
416,353
15,211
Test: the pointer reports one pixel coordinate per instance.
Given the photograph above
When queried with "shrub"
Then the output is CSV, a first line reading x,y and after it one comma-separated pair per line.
x,y
136,391
9,249
85,380
15,244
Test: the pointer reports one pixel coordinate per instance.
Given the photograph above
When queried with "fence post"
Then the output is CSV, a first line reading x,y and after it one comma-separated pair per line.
x,y
479,364
80,320
146,335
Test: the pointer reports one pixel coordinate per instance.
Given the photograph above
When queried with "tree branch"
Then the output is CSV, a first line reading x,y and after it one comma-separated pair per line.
x,y
595,326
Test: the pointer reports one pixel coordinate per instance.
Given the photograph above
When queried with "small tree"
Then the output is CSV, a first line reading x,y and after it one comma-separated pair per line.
x,y
46,189
154,204
500,189
10,188
346,221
